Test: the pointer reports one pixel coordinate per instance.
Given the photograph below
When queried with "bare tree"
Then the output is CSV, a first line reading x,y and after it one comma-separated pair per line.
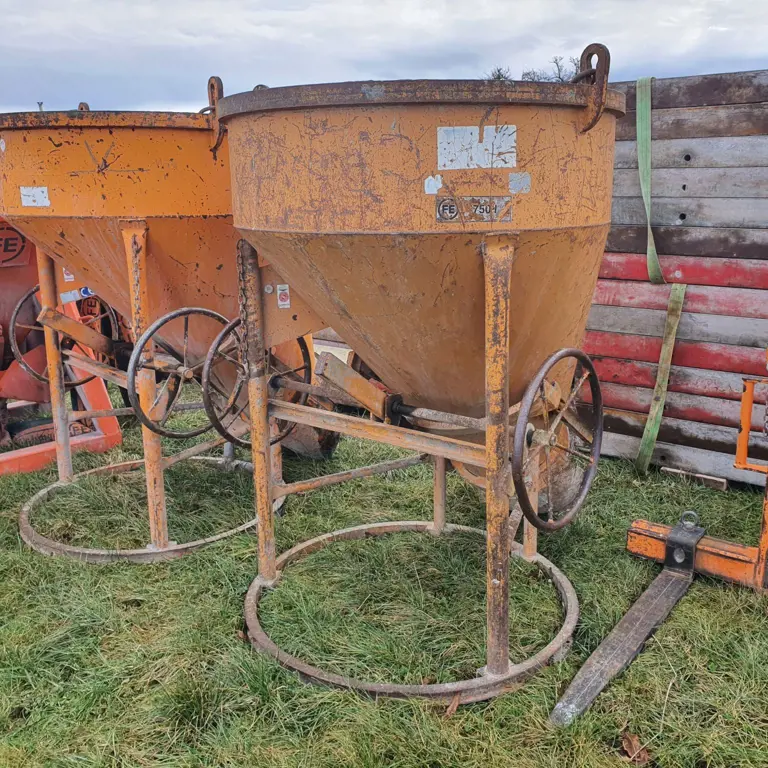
x,y
561,72
499,73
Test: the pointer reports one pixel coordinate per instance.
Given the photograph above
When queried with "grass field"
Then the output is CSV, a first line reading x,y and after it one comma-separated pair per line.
x,y
148,666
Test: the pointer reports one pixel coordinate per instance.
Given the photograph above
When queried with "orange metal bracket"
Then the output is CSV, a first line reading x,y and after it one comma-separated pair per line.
x,y
105,435
726,560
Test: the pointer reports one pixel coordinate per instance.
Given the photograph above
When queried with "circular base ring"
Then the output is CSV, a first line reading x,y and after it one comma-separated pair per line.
x,y
485,686
47,546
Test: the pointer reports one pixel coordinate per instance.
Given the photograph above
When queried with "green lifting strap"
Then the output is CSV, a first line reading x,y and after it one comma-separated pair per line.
x,y
643,121
677,292
651,431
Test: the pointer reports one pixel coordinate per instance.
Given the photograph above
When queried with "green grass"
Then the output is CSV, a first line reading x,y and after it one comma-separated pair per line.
x,y
147,666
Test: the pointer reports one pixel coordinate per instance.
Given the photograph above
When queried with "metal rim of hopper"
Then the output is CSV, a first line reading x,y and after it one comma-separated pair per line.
x,y
476,689
87,119
389,92
47,546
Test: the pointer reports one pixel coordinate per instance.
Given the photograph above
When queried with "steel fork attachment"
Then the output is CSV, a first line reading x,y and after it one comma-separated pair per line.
x,y
628,637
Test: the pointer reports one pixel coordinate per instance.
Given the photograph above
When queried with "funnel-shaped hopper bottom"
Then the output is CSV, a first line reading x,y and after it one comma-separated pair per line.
x,y
412,306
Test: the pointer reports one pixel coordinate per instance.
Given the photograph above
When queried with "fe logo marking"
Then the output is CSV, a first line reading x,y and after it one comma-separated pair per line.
x,y
475,208
13,251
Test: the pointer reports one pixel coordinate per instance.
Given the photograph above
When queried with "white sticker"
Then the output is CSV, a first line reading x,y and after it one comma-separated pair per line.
x,y
459,147
519,183
68,276
2,145
283,297
69,296
432,184
34,197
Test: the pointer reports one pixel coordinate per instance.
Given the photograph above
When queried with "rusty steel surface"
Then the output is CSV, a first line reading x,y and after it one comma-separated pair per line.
x,y
423,442
279,490
338,374
498,258
438,495
68,180
47,276
375,199
134,239
414,92
252,328
483,687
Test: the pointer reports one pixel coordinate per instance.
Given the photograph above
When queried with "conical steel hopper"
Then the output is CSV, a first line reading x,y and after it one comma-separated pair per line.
x,y
72,181
137,205
375,199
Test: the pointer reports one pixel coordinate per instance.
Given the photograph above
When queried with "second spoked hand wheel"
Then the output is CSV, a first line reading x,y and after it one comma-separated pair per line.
x,y
552,438
24,321
170,348
225,384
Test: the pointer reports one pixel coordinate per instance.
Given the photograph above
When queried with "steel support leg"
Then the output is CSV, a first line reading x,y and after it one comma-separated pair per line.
x,y
251,313
48,297
439,495
761,569
276,455
498,257
135,243
530,532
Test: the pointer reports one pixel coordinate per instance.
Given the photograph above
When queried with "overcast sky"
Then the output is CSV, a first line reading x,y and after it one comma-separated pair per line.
x,y
158,55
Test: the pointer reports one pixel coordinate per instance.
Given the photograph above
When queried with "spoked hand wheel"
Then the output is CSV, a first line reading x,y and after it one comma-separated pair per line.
x,y
169,347
225,384
24,321
557,445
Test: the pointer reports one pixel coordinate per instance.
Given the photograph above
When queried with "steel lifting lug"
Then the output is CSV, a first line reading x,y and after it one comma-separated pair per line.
x,y
680,552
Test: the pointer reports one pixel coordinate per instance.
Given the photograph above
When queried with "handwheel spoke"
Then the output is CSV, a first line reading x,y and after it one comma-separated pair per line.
x,y
37,327
160,394
172,403
196,366
186,341
224,349
220,392
544,405
578,454
532,454
96,318
237,415
568,403
230,359
550,506
573,420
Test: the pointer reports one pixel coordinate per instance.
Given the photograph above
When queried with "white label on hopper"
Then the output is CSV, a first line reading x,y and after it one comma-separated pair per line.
x,y
283,297
68,276
69,296
460,147
34,197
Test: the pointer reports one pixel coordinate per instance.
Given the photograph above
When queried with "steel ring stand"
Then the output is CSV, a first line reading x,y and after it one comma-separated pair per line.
x,y
47,546
483,687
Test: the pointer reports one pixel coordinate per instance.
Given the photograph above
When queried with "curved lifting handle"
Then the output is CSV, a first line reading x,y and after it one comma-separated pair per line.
x,y
215,92
597,76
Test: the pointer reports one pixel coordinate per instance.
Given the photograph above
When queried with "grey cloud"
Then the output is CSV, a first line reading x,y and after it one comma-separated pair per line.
x,y
144,54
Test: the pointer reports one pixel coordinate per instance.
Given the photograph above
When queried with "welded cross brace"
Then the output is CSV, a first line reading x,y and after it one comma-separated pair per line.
x,y
646,615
